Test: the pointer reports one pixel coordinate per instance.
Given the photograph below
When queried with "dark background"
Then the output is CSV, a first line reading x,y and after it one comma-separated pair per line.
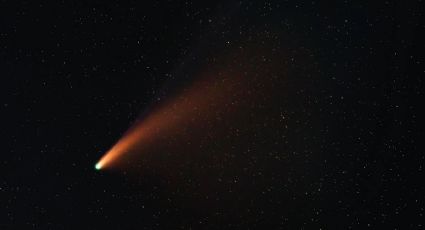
x,y
340,147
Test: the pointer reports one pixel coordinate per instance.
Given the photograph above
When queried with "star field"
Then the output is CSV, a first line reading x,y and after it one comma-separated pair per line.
x,y
255,114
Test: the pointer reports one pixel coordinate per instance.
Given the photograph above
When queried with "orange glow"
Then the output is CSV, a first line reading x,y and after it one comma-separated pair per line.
x,y
196,104
226,91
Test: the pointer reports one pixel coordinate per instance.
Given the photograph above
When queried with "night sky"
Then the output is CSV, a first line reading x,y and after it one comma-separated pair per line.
x,y
254,114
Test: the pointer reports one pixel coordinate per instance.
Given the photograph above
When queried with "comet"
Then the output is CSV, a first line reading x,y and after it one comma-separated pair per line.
x,y
223,91
197,104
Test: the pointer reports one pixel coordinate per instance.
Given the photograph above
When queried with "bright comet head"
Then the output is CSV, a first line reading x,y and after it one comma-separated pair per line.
x,y
98,166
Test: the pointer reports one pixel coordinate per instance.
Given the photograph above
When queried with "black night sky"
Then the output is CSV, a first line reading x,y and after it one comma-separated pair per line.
x,y
259,114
